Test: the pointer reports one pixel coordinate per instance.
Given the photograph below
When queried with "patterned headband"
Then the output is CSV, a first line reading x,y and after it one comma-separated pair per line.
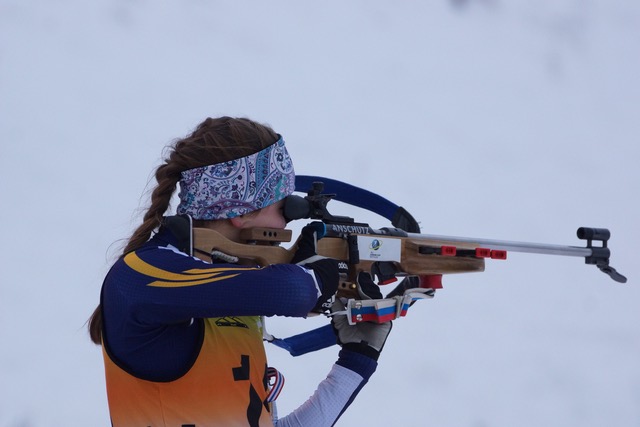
x,y
234,188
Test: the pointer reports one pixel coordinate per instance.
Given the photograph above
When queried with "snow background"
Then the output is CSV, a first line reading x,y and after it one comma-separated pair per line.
x,y
513,120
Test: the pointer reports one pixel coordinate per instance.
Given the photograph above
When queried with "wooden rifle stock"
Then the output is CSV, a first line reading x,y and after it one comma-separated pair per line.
x,y
261,246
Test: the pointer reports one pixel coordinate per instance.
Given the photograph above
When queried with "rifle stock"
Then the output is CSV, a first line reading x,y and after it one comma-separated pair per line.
x,y
406,256
206,241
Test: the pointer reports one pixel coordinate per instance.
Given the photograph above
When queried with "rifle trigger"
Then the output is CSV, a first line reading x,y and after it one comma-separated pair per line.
x,y
385,272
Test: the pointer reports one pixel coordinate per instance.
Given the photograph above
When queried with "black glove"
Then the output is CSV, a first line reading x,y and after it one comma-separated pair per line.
x,y
325,269
366,338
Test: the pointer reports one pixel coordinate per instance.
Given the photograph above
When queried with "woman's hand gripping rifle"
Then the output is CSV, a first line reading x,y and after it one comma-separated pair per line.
x,y
325,269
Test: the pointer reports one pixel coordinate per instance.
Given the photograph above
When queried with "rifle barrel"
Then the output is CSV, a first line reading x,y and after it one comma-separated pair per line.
x,y
505,245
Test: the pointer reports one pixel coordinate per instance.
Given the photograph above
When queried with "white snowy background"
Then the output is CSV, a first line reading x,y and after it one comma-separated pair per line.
x,y
513,120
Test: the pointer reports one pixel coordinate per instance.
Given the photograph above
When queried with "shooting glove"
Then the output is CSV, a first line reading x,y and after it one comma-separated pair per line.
x,y
366,338
325,269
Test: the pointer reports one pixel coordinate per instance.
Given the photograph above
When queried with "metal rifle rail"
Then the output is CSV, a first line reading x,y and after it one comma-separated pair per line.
x,y
597,255
511,246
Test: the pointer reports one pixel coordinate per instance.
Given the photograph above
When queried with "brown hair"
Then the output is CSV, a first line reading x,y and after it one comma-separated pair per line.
x,y
213,141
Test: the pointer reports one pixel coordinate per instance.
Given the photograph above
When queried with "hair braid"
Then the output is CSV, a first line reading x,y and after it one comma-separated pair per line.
x,y
167,176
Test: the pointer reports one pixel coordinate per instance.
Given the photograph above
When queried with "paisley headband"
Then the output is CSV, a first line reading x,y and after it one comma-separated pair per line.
x,y
234,188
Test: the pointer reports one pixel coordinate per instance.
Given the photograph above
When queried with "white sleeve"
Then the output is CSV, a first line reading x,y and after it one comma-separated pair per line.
x,y
327,403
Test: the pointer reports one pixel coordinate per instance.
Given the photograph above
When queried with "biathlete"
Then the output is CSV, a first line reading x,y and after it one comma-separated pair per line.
x,y
182,338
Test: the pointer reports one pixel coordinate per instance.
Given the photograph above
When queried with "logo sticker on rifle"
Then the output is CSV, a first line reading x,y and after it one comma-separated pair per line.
x,y
378,249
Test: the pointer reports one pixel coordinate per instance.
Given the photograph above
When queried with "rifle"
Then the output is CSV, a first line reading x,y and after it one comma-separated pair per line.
x,y
387,253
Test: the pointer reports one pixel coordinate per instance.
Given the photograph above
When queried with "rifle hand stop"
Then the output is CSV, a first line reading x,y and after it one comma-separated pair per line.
x,y
599,254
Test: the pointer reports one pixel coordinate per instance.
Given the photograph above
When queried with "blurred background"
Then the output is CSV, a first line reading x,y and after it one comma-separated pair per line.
x,y
511,120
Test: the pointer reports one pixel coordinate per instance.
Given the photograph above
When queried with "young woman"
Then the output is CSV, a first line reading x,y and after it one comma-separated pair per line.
x,y
182,338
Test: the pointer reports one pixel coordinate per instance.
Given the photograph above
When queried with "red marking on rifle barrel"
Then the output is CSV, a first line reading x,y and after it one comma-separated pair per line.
x,y
483,253
498,254
448,250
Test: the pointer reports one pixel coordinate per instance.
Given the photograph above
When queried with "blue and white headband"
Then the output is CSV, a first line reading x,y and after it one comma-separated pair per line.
x,y
234,188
